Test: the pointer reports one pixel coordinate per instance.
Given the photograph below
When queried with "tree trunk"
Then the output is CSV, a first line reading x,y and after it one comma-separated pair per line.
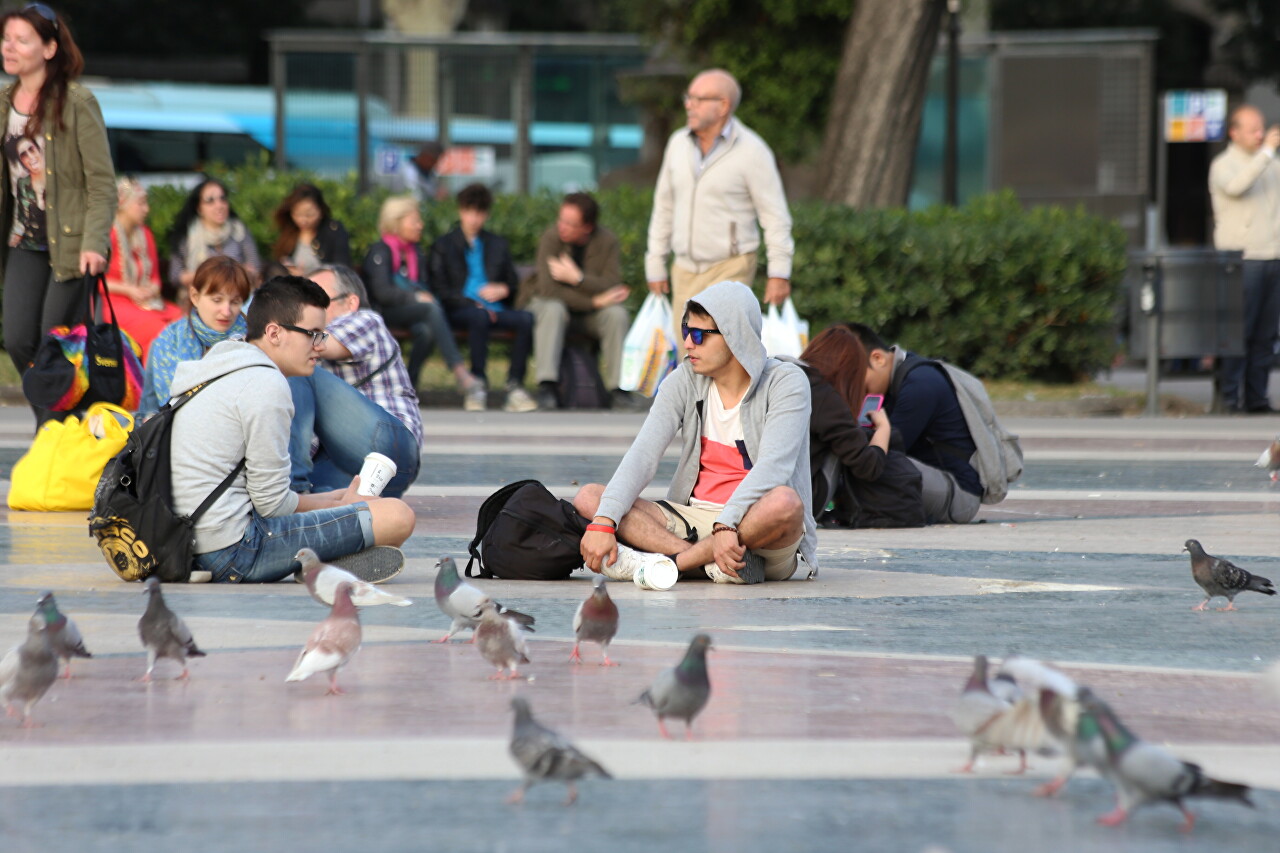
x,y
877,101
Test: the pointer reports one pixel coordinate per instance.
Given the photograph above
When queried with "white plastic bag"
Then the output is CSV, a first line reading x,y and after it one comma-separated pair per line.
x,y
649,350
783,332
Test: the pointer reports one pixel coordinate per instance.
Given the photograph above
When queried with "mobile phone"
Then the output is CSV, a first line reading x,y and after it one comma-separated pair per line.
x,y
870,403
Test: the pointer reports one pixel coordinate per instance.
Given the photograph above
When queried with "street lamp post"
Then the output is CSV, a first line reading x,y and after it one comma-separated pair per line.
x,y
950,154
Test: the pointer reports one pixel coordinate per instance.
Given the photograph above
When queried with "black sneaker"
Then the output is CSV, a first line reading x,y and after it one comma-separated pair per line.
x,y
546,397
625,401
373,565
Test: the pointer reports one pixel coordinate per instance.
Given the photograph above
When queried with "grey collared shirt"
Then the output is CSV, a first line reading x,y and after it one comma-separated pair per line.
x,y
723,138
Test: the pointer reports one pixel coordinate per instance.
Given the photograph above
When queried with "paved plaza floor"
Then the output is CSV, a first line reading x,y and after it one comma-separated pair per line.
x,y
827,728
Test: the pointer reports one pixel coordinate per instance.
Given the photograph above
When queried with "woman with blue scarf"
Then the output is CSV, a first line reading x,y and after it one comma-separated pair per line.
x,y
218,292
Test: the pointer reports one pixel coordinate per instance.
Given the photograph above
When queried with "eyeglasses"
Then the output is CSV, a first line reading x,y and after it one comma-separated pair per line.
x,y
43,11
696,335
318,336
212,199
687,97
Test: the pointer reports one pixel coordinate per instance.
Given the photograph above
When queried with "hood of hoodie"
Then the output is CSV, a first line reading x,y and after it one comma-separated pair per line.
x,y
223,357
737,314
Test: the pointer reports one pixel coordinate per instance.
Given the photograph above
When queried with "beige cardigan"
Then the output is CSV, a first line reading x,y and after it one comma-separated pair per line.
x,y
1245,189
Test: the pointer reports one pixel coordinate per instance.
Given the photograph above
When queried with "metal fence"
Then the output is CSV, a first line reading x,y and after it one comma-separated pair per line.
x,y
519,111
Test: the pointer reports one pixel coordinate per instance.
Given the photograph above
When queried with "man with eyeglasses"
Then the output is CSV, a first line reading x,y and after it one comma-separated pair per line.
x,y
718,186
240,422
739,506
359,401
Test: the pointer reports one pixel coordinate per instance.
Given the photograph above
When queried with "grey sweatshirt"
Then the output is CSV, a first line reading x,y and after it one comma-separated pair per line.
x,y
775,423
245,415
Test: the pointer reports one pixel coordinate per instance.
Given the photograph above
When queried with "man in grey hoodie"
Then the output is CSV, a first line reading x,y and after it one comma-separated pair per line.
x,y
252,532
738,509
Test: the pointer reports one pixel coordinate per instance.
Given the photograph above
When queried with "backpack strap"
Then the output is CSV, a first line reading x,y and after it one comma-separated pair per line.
x,y
381,368
217,492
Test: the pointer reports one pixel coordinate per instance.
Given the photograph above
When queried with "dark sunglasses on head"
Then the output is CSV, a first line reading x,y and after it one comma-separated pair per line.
x,y
697,335
43,11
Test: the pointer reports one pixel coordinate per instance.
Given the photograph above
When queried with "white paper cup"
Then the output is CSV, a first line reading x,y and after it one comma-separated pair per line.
x,y
659,575
374,476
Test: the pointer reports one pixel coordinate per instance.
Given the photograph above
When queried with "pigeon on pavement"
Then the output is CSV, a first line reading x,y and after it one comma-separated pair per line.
x,y
1146,773
333,643
596,621
1270,459
63,633
1055,697
500,640
28,670
994,722
682,691
322,580
544,755
1217,576
163,633
461,601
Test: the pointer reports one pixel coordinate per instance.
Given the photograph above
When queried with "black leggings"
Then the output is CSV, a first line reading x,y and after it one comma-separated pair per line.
x,y
34,303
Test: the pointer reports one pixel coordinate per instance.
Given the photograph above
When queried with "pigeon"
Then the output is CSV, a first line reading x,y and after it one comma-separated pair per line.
x,y
544,755
28,670
683,690
461,601
64,635
596,621
1146,773
163,632
500,640
993,722
1217,576
1270,459
333,643
322,580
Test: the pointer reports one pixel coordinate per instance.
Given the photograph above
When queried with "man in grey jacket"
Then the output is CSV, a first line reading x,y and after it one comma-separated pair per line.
x,y
252,532
738,509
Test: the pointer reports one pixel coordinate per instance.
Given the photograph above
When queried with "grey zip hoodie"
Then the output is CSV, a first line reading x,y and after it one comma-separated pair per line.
x,y
775,423
243,415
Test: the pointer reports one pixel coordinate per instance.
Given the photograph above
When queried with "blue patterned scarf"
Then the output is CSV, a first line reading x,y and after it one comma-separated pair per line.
x,y
187,339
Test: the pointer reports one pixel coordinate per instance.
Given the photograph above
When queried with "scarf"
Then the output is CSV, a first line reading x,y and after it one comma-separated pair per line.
x,y
204,242
135,254
183,340
403,250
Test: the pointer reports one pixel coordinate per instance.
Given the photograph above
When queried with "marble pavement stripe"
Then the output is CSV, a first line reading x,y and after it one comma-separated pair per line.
x,y
407,759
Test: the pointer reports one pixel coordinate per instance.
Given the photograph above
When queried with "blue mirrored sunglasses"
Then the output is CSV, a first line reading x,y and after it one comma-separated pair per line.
x,y
698,335
43,11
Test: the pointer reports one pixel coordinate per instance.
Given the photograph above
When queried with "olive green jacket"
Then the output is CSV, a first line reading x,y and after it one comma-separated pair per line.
x,y
80,193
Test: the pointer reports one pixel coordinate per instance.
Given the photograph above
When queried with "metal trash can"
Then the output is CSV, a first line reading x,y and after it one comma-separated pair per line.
x,y
1198,295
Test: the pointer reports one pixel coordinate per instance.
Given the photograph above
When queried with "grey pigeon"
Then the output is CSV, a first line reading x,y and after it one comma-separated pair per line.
x,y
500,640
1145,773
163,633
546,756
28,671
596,621
1270,459
322,580
63,633
333,643
997,720
682,691
461,601
1217,576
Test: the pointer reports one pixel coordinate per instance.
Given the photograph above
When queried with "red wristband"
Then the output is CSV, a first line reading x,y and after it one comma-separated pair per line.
x,y
602,528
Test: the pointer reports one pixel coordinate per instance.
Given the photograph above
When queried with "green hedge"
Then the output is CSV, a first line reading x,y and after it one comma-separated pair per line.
x,y
1001,290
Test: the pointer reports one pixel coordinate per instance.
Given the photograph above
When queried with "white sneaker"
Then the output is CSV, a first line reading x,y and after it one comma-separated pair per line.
x,y
632,562
477,399
519,400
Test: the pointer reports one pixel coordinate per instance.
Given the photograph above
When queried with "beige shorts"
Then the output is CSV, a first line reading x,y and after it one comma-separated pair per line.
x,y
779,563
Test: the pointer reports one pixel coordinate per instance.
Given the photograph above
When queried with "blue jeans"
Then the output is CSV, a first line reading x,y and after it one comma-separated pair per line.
x,y
1244,380
350,426
265,554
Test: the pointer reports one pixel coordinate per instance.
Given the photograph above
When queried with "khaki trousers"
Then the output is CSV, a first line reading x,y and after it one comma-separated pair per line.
x,y
552,319
685,284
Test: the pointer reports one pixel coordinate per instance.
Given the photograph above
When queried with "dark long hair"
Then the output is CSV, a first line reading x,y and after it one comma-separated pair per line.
x,y
191,209
288,239
66,65
842,360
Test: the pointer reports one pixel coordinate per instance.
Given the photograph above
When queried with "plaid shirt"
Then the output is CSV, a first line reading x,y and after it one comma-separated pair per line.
x,y
365,336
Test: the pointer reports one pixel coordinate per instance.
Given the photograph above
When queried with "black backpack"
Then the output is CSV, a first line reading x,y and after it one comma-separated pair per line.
x,y
132,516
523,532
580,384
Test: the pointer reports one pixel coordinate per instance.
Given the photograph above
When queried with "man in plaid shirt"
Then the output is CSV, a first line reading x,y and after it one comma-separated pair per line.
x,y
364,402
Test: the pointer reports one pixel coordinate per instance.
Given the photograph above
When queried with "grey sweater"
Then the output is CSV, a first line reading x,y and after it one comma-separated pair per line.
x,y
245,415
775,423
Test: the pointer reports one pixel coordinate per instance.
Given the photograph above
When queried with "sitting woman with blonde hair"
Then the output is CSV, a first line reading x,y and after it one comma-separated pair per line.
x,y
133,276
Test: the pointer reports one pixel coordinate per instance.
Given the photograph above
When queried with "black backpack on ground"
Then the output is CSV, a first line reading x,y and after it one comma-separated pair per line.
x,y
580,384
894,500
523,532
132,517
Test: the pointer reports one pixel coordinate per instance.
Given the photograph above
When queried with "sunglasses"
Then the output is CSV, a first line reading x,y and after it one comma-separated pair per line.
x,y
212,199
318,336
43,11
696,335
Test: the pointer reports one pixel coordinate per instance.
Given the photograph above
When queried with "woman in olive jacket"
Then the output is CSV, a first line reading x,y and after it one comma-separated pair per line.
x,y
61,231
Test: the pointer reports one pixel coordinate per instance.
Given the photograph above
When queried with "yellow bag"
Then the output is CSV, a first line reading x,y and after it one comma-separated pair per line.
x,y
61,470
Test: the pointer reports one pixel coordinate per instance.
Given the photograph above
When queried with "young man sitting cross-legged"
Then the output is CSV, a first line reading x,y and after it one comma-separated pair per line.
x,y
738,509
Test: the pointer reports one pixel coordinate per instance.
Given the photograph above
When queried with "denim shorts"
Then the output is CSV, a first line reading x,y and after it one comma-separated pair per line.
x,y
266,553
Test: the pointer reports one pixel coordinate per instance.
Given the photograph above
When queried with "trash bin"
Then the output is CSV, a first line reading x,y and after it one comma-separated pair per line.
x,y
1199,296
